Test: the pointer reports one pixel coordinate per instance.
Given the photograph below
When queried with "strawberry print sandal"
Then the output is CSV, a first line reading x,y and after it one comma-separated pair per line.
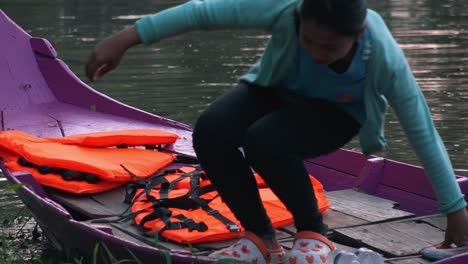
x,y
249,249
309,248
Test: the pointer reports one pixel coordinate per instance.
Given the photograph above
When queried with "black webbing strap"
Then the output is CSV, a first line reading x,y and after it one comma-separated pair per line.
x,y
185,160
191,200
195,194
159,213
158,179
68,175
146,185
233,227
165,214
194,182
149,147
188,223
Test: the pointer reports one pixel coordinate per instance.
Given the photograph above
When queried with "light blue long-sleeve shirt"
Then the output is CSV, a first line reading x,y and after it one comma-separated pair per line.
x,y
390,79
344,89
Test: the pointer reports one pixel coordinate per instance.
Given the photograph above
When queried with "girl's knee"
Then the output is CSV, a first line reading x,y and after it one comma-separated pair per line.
x,y
257,148
211,132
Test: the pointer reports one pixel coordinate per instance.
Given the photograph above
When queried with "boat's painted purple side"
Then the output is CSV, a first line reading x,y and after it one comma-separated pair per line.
x,y
404,183
463,258
65,232
41,95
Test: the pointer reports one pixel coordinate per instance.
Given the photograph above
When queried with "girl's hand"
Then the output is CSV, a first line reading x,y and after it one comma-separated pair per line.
x,y
108,53
457,229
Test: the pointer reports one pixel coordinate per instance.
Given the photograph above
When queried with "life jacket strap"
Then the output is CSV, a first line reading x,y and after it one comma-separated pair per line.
x,y
68,175
149,147
153,147
159,213
146,185
165,214
195,193
191,224
185,160
232,227
166,188
191,200
204,204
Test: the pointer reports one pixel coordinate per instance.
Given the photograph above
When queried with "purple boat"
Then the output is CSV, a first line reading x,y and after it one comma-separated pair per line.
x,y
381,204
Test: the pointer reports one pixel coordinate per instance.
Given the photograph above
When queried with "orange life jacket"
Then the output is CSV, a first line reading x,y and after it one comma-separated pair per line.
x,y
54,161
184,207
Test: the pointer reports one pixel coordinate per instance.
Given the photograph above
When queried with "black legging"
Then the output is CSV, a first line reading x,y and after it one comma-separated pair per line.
x,y
277,131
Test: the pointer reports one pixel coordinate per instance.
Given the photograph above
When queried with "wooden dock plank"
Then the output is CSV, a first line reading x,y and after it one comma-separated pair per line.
x,y
393,239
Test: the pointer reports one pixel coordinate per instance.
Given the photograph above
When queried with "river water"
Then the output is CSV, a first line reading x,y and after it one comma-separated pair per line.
x,y
179,77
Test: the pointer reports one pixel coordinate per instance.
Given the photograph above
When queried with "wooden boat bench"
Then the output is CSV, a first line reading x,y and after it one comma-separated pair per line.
x,y
93,206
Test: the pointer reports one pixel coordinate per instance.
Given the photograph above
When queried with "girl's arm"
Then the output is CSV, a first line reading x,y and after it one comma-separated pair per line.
x,y
192,15
108,53
212,15
407,100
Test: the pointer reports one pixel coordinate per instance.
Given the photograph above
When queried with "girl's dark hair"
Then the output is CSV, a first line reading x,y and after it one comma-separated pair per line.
x,y
343,16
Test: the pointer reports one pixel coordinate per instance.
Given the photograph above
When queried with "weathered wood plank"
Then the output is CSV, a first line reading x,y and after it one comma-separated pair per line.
x,y
280,234
344,247
407,201
364,206
333,219
353,208
81,204
394,239
113,200
437,221
92,206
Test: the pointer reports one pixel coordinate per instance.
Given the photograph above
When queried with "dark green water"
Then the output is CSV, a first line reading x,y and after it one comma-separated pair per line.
x,y
178,78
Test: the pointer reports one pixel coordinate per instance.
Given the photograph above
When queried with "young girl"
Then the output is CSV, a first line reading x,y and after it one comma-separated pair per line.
x,y
325,76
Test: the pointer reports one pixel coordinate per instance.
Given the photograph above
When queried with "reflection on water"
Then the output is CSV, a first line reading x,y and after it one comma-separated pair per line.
x,y
178,78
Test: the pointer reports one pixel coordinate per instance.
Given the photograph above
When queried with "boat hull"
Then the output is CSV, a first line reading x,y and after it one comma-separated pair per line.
x,y
43,108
